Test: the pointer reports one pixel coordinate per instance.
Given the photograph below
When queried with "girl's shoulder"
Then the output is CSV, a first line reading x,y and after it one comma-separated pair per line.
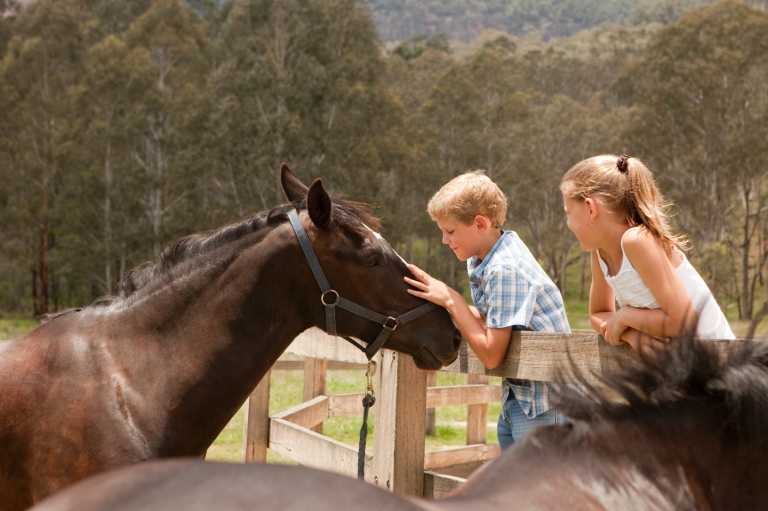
x,y
640,244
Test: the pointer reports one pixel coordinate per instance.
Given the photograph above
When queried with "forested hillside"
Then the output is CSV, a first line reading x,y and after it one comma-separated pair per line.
x,y
125,124
466,20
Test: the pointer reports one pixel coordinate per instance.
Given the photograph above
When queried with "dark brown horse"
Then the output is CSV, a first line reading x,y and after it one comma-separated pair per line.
x,y
685,432
159,370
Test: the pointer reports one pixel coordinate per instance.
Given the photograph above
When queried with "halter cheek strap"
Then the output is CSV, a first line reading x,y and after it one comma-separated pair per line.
x,y
331,299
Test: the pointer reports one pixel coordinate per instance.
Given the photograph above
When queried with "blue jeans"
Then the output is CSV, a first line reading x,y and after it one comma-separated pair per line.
x,y
513,423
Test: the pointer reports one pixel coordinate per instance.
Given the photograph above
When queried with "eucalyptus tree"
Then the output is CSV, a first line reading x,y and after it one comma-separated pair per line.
x,y
175,39
39,73
301,82
701,120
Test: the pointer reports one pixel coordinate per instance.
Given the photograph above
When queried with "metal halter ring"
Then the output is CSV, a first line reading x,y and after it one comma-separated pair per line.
x,y
393,321
322,297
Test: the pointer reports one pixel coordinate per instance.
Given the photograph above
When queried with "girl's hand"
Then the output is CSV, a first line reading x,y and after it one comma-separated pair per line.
x,y
427,287
644,343
613,328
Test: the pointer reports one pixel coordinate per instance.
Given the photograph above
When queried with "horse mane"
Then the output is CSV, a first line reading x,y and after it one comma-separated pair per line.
x,y
686,371
353,217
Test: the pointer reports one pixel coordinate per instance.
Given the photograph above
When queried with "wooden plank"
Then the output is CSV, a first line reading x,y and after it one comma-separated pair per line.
x,y
438,485
430,419
398,462
256,427
462,395
545,356
314,384
307,414
460,455
477,415
311,449
344,405
317,344
298,365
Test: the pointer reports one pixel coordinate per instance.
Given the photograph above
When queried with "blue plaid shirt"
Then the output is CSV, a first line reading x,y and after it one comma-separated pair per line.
x,y
510,288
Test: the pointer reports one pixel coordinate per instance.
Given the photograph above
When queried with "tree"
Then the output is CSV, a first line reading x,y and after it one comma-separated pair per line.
x,y
700,120
39,74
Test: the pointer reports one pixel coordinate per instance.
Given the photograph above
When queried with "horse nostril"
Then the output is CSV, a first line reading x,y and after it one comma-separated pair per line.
x,y
457,338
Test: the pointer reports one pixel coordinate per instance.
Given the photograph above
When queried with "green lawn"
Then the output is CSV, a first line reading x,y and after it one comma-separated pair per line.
x,y
13,328
286,391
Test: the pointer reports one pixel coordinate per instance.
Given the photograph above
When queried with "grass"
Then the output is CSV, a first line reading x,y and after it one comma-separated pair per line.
x,y
287,392
450,421
13,328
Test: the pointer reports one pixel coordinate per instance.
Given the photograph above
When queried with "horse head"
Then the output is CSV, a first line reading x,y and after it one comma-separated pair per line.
x,y
362,268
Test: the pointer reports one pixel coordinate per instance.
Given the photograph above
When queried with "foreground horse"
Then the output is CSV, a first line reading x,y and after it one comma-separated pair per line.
x,y
159,370
687,432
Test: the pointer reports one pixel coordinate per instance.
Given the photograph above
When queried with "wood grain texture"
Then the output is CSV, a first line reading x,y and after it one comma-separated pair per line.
x,y
317,344
438,485
398,451
308,414
477,414
311,449
256,427
315,370
460,455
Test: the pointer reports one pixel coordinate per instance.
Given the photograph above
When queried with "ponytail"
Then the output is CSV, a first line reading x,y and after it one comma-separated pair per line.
x,y
625,186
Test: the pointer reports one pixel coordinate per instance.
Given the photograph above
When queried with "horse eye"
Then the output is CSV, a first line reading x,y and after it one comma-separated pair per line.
x,y
373,261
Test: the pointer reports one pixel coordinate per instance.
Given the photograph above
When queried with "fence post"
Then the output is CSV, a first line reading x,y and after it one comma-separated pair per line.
x,y
431,382
398,440
315,370
477,415
256,426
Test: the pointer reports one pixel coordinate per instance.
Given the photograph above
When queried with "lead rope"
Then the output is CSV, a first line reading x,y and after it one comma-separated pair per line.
x,y
368,401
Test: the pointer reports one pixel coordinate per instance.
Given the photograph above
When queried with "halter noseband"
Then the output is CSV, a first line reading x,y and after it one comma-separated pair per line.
x,y
331,299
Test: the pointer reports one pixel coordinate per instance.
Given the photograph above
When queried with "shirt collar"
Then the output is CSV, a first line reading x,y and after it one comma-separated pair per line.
x,y
477,266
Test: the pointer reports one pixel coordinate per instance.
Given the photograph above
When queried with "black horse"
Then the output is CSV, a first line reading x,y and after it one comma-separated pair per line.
x,y
159,370
687,431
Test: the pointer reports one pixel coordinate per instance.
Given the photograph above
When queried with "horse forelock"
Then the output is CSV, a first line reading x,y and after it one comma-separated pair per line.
x,y
689,372
353,217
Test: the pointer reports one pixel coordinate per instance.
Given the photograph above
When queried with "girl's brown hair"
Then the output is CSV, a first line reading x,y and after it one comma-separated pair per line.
x,y
625,186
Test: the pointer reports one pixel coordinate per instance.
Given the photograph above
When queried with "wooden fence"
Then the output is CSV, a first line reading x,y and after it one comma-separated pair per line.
x,y
403,396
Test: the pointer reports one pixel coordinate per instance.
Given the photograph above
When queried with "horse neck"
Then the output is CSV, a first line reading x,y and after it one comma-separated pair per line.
x,y
213,333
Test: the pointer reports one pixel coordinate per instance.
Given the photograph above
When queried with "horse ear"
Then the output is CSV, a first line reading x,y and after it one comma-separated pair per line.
x,y
319,205
293,189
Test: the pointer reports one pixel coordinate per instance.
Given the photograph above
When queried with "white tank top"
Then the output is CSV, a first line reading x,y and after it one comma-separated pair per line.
x,y
630,289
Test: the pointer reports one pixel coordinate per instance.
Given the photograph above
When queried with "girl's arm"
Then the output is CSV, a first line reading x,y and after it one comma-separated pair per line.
x,y
602,303
602,307
676,314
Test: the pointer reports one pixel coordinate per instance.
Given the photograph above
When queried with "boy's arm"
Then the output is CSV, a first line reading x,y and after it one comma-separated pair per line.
x,y
489,344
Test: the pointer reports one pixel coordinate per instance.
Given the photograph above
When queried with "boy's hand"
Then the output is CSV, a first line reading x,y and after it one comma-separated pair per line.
x,y
428,288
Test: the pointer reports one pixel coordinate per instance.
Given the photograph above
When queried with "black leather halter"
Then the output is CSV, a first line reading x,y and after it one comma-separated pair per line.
x,y
331,299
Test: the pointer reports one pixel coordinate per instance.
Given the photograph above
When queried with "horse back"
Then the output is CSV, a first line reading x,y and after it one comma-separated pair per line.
x,y
54,399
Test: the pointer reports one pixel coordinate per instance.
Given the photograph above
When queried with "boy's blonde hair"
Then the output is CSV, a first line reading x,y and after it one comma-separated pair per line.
x,y
625,186
468,195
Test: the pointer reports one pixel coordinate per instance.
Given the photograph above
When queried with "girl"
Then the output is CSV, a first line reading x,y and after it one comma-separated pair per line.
x,y
617,213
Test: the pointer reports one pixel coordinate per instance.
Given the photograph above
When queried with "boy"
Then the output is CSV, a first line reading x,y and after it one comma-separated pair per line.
x,y
509,288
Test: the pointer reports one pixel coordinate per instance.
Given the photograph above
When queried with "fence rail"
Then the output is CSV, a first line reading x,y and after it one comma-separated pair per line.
x,y
399,462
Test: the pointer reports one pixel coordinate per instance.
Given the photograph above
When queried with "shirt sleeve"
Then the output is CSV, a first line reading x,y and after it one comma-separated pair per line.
x,y
511,298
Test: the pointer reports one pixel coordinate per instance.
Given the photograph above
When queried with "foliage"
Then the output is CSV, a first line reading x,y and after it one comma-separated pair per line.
x,y
125,125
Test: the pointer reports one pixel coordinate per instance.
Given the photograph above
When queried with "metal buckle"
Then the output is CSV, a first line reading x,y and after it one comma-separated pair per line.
x,y
394,323
322,297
